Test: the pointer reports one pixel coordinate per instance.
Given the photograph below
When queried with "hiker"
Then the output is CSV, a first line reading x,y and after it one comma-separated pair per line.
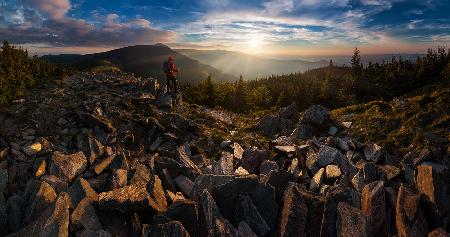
x,y
171,78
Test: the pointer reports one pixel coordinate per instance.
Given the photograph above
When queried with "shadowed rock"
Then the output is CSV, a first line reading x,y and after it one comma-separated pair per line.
x,y
67,167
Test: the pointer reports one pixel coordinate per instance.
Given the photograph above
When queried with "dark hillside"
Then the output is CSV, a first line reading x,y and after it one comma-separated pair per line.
x,y
146,60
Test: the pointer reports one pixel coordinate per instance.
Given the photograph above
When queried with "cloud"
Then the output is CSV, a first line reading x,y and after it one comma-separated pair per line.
x,y
47,22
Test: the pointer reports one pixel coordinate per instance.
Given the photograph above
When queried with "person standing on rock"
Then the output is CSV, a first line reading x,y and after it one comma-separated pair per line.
x,y
171,79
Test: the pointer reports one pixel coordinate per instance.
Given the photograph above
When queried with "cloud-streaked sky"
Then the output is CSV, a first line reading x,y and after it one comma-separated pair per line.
x,y
273,27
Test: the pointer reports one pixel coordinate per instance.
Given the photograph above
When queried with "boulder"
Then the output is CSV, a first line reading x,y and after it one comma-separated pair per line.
x,y
335,195
241,171
327,155
119,178
225,165
263,196
432,181
32,149
267,166
79,190
103,164
290,112
216,225
252,159
303,132
316,115
246,211
141,174
135,198
57,184
279,180
93,233
208,182
85,217
373,205
301,214
438,233
186,212
91,147
372,152
3,216
184,184
170,229
3,179
40,195
316,181
67,167
244,230
237,151
54,221
366,174
351,222
409,216
332,171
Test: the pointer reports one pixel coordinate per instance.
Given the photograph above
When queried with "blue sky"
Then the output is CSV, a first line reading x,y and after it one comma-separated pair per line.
x,y
272,27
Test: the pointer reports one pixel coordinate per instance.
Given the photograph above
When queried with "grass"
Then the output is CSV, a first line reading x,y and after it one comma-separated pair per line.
x,y
401,127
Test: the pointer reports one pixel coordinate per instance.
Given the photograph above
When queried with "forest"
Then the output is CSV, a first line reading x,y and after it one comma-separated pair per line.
x,y
332,86
19,71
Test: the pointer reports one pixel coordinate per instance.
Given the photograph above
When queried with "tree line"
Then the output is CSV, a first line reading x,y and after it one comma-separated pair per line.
x,y
19,71
331,86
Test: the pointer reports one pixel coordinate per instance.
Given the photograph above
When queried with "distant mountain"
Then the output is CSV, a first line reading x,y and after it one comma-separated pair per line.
x,y
143,60
249,66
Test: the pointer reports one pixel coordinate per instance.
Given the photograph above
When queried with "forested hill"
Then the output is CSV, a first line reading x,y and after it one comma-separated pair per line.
x,y
146,60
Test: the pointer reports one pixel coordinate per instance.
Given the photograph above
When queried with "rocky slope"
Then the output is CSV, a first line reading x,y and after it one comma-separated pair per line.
x,y
110,155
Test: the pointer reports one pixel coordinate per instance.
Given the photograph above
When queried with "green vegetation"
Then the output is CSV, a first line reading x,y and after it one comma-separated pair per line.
x,y
18,72
330,86
401,125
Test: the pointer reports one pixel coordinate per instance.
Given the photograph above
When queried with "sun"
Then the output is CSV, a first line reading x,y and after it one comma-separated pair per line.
x,y
254,43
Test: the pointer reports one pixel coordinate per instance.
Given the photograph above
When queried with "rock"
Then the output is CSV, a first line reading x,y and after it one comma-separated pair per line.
x,y
185,211
18,155
79,190
267,166
4,152
335,195
3,180
58,185
67,167
118,178
301,214
438,233
3,216
225,165
326,156
244,230
338,143
409,215
347,124
120,161
269,125
432,181
289,112
216,225
372,152
366,174
373,205
92,233
252,159
316,115
263,196
54,221
134,198
389,172
14,206
303,132
103,164
91,147
156,144
32,149
39,199
141,174
237,151
85,217
351,222
171,229
287,150
61,121
332,171
246,211
164,101
183,156
332,130
241,171
225,144
208,182
184,184
39,167
316,181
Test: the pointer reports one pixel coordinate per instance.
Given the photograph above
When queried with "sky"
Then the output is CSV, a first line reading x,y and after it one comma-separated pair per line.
x,y
265,27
